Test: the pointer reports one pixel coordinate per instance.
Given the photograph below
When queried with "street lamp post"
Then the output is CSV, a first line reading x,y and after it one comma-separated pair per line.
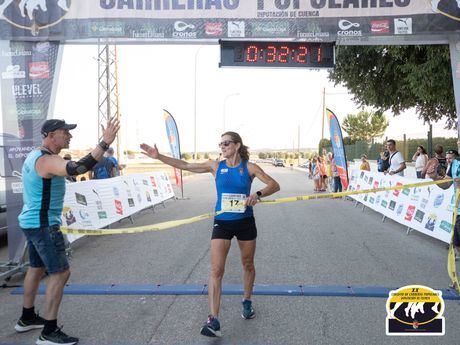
x,y
194,123
225,103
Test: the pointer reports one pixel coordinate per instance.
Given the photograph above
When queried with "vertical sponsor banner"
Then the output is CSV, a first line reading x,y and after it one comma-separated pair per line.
x,y
173,137
28,71
338,148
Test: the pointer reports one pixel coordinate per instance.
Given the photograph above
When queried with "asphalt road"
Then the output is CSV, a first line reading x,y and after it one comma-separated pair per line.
x,y
318,242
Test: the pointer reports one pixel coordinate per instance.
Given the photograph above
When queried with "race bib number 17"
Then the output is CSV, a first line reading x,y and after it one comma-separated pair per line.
x,y
233,203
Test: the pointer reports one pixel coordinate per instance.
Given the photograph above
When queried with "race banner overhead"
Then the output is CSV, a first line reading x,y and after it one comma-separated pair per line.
x,y
210,20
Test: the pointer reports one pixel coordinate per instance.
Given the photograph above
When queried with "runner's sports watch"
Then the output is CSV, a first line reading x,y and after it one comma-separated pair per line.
x,y
259,194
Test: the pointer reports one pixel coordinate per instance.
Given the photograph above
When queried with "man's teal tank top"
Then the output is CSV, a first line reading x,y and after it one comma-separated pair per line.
x,y
43,197
230,181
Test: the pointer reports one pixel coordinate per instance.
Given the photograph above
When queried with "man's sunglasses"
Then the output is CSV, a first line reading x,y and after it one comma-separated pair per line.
x,y
225,143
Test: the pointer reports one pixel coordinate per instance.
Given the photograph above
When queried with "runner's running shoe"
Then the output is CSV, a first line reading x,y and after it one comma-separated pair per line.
x,y
247,312
58,337
211,328
27,325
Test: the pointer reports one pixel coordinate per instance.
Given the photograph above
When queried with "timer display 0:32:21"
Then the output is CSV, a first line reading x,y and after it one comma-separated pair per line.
x,y
282,54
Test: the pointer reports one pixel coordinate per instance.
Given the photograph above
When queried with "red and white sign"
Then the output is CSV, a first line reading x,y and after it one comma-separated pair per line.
x,y
214,29
39,70
380,26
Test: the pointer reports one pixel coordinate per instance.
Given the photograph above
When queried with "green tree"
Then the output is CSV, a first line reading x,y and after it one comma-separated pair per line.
x,y
186,156
399,78
262,155
365,125
324,144
206,155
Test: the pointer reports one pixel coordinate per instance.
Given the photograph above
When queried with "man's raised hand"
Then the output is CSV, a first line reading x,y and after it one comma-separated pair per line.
x,y
109,134
150,151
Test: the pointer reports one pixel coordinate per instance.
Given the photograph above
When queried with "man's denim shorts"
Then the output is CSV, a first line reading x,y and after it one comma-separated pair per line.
x,y
47,248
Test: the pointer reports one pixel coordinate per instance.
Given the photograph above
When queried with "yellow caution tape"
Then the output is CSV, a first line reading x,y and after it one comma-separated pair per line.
x,y
451,269
176,223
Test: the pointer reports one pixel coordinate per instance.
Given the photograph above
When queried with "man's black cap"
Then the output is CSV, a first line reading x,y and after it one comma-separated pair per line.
x,y
55,124
452,152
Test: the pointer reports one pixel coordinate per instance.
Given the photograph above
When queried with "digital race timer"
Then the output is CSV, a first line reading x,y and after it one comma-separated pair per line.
x,y
276,54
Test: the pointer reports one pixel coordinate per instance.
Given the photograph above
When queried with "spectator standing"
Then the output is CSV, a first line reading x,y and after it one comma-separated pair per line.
x,y
421,159
364,163
451,155
316,174
322,173
383,162
335,175
117,167
396,160
103,169
437,166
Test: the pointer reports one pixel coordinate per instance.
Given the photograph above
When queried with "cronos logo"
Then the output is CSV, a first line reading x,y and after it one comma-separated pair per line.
x,y
34,15
449,8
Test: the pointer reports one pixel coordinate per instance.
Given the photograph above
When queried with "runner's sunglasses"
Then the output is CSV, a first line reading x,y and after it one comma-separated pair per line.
x,y
225,143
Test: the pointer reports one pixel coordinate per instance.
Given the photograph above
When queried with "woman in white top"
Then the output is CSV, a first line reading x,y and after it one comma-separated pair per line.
x,y
421,158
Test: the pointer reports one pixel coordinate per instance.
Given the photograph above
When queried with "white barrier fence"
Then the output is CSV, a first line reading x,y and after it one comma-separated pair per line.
x,y
95,204
426,209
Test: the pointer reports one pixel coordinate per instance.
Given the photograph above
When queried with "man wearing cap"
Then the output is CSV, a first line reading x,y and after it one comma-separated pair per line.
x,y
43,177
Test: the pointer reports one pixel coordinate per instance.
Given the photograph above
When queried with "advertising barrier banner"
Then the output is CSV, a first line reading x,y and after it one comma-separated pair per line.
x,y
328,20
95,204
28,74
425,209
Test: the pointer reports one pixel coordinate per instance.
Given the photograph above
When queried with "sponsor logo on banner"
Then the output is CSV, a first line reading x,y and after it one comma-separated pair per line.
x,y
419,216
118,207
370,180
39,70
214,29
380,26
423,203
377,200
81,199
68,215
270,29
406,191
139,198
371,200
410,212
83,214
429,225
149,32
415,310
384,203
34,14
313,31
349,29
397,191
102,215
403,26
145,182
106,29
26,90
400,209
184,30
13,72
16,53
152,179
131,202
438,200
17,187
147,195
116,192
446,226
236,29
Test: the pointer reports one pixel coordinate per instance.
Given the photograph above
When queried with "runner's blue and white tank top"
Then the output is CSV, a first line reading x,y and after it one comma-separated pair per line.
x,y
232,185
43,197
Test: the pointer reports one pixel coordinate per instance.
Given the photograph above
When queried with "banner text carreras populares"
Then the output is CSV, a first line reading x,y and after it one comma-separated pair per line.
x,y
318,20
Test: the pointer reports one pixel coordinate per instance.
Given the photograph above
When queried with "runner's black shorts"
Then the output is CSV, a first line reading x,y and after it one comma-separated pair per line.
x,y
243,229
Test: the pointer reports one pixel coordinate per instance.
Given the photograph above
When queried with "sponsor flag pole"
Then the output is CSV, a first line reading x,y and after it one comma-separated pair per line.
x,y
173,137
338,148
